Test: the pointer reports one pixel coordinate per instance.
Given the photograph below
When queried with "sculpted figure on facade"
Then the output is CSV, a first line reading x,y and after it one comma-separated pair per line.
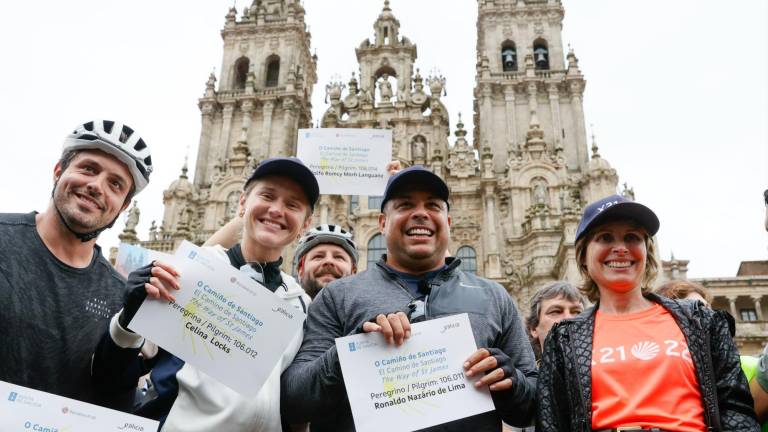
x,y
385,88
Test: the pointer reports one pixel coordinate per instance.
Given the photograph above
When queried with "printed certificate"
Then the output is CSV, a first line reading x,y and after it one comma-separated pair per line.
x,y
24,409
414,386
223,322
347,161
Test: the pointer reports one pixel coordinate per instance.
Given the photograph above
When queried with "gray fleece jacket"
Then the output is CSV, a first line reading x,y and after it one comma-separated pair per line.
x,y
313,387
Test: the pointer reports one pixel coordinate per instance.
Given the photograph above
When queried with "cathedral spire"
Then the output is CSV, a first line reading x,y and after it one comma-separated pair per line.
x,y
595,154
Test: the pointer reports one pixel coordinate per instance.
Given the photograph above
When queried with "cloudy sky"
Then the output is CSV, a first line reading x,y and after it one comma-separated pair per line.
x,y
677,92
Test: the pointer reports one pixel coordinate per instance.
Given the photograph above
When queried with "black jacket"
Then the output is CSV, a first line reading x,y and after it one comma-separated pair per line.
x,y
565,377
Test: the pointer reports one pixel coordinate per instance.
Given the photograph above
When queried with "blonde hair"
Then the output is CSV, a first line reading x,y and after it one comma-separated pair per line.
x,y
589,287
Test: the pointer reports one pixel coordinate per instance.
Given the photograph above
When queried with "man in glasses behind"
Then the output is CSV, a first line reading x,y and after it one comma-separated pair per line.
x,y
412,282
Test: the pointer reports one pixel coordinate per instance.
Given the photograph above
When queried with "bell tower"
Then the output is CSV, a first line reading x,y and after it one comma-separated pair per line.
x,y
520,71
262,98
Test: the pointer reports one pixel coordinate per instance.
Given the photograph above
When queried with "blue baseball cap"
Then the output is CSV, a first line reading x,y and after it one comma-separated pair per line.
x,y
613,208
292,168
415,177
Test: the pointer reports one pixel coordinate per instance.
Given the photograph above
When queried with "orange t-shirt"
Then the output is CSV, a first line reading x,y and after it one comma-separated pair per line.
x,y
642,373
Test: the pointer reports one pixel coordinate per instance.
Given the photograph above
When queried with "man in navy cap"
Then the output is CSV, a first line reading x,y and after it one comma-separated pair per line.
x,y
412,282
276,208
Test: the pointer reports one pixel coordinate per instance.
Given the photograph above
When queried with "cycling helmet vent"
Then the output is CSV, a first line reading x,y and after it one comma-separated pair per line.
x,y
88,126
125,134
108,125
140,146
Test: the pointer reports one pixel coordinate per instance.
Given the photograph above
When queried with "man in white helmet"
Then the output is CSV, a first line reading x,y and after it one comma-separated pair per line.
x,y
56,289
324,254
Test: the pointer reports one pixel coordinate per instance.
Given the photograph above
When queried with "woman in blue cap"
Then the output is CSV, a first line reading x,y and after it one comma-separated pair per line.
x,y
636,361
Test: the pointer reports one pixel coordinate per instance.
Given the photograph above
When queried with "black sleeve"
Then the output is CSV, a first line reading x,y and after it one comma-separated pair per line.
x,y
550,391
515,406
733,397
312,386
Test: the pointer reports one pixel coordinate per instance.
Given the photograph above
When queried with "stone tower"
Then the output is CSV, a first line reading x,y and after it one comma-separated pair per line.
x,y
263,97
390,94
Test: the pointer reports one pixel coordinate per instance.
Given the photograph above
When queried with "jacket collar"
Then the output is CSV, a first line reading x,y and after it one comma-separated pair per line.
x,y
451,264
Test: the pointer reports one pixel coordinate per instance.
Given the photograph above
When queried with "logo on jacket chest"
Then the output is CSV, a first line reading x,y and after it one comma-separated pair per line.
x,y
98,308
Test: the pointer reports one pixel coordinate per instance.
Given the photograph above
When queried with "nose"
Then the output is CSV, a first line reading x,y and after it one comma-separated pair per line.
x,y
95,187
276,208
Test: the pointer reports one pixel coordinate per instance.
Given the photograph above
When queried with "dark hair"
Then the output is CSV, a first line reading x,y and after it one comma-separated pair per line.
x,y
679,289
589,287
68,156
554,290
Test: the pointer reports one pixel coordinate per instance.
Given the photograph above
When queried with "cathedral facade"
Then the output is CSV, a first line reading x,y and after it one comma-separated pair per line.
x,y
517,190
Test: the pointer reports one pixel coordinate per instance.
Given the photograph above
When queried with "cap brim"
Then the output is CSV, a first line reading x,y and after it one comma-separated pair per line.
x,y
416,180
296,172
627,210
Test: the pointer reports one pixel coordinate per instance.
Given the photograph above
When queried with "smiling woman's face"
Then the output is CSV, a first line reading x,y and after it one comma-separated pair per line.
x,y
275,212
616,256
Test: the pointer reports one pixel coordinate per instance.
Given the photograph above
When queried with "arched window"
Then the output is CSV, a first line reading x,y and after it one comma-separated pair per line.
x,y
374,202
540,54
376,247
468,259
273,70
242,65
508,56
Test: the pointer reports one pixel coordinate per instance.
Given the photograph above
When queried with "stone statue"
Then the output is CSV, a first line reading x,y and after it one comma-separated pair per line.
x,y
385,88
418,148
540,192
132,218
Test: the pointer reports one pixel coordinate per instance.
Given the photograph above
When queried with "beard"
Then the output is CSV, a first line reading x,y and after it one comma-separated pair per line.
x,y
312,285
65,202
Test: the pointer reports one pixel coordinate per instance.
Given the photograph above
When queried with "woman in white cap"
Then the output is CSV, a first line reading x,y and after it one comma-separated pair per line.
x,y
636,361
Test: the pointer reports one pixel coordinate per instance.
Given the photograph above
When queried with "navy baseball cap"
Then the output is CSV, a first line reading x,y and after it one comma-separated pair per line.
x,y
412,178
616,207
292,168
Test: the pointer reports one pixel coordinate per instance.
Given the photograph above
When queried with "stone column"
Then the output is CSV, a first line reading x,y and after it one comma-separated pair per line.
x,y
511,116
554,105
493,269
266,132
580,140
758,309
325,204
732,304
226,128
204,145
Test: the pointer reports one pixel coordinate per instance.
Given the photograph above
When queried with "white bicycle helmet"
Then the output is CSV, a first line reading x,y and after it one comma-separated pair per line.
x,y
323,234
118,140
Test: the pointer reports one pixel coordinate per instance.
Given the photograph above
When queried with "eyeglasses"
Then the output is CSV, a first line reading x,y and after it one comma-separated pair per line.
x,y
417,310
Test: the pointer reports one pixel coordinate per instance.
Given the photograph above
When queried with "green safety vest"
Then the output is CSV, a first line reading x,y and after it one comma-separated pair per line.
x,y
749,367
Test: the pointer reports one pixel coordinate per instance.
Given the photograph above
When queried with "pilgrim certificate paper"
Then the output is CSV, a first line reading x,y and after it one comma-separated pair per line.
x,y
222,322
347,161
414,386
24,409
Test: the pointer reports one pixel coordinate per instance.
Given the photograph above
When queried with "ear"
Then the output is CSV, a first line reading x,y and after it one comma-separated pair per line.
x,y
306,225
382,222
534,333
57,172
450,221
300,268
241,204
354,269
